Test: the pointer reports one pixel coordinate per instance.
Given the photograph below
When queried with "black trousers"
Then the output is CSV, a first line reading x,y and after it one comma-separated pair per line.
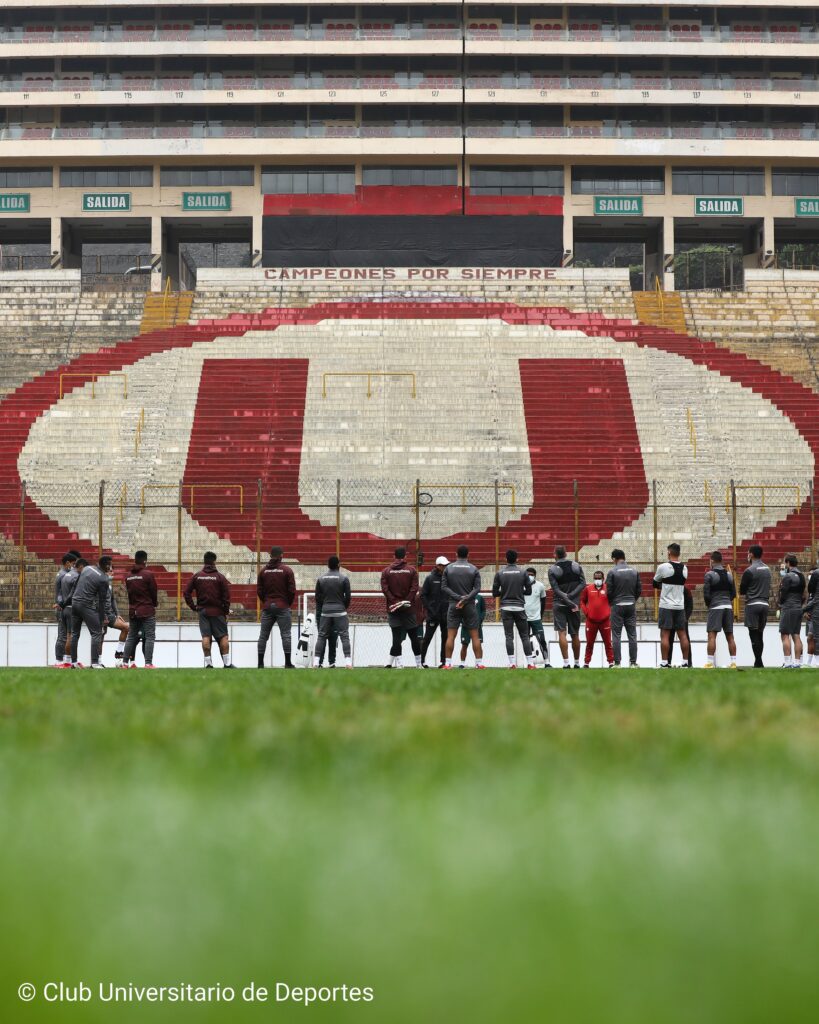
x,y
429,631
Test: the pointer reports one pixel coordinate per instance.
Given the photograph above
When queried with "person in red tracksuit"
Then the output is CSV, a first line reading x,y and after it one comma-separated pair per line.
x,y
213,604
594,603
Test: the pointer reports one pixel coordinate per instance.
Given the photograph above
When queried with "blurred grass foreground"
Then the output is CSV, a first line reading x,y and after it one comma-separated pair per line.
x,y
608,847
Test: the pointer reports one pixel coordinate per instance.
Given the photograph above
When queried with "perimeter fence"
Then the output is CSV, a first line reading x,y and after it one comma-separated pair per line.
x,y
363,521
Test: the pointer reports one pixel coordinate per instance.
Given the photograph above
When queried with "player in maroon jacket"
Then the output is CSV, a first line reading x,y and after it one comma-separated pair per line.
x,y
142,601
276,589
399,585
212,602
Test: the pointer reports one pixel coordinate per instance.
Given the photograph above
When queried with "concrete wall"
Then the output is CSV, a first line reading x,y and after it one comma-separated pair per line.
x,y
178,646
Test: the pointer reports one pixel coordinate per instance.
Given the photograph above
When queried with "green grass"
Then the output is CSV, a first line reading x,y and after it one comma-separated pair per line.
x,y
611,848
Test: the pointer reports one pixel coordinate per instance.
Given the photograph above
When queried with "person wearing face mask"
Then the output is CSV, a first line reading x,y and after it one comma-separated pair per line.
x,y
594,603
755,587
791,595
535,607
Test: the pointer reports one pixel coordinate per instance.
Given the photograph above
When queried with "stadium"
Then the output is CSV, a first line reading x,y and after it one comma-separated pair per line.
x,y
372,335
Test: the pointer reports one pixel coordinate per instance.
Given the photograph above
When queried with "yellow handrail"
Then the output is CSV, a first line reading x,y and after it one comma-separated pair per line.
x,y
712,514
463,487
138,433
154,487
762,489
193,487
122,501
369,374
660,297
692,430
94,378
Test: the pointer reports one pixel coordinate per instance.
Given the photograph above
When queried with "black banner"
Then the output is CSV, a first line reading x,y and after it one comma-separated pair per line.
x,y
417,241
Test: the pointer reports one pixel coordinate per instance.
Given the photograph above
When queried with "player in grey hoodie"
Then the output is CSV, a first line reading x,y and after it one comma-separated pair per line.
x,y
513,585
333,597
461,584
63,592
88,608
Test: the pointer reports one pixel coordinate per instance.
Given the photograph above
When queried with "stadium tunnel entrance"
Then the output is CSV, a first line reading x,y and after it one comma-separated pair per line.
x,y
715,253
188,244
25,244
605,241
797,240
111,252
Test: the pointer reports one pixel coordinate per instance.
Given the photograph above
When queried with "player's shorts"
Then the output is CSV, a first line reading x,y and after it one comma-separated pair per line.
x,y
790,621
813,624
672,618
536,628
213,625
720,620
465,637
404,618
756,616
466,617
566,620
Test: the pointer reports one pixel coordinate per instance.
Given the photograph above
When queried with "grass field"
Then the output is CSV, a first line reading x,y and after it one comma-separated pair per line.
x,y
604,847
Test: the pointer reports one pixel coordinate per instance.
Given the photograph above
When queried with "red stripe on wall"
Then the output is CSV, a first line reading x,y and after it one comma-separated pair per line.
x,y
510,206
410,200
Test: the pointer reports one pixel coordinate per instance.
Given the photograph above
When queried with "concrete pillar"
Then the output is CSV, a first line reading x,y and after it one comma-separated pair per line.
x,y
256,241
768,254
56,243
157,254
668,253
568,217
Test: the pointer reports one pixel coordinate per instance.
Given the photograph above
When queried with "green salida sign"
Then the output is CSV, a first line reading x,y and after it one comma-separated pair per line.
x,y
106,202
15,202
805,206
206,201
719,206
618,206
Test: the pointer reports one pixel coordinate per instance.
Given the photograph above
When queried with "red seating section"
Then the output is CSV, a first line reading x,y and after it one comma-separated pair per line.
x,y
261,412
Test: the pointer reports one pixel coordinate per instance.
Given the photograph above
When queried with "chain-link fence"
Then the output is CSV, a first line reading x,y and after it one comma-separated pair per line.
x,y
362,521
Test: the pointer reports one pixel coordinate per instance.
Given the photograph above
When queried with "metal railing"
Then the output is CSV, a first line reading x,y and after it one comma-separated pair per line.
x,y
421,492
24,262
369,374
94,377
316,80
193,488
111,516
522,130
476,30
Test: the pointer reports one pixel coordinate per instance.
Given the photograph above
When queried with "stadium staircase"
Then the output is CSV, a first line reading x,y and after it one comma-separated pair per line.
x,y
774,320
165,309
660,309
249,421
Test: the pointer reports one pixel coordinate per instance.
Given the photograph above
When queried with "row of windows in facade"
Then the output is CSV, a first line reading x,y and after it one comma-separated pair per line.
x,y
496,180
303,13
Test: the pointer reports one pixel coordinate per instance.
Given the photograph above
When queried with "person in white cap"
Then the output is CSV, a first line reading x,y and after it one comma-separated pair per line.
x,y
435,604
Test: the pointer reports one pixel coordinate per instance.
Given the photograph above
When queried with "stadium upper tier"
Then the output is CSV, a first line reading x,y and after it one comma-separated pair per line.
x,y
643,127
521,80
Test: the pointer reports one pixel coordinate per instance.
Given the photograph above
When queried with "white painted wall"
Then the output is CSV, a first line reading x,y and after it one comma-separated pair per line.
x,y
32,644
